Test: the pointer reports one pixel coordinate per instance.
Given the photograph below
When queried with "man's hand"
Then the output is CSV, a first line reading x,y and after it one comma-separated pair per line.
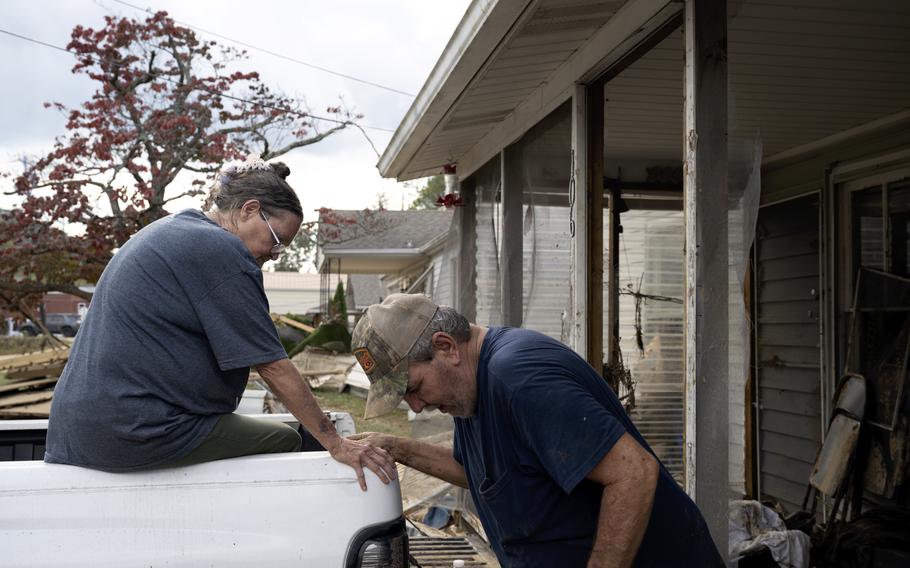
x,y
377,440
360,454
429,458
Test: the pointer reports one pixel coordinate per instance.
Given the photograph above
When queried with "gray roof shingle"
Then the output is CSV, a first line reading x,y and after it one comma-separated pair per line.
x,y
366,290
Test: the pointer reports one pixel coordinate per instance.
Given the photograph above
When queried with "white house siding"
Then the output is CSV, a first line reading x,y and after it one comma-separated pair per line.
x,y
293,292
788,349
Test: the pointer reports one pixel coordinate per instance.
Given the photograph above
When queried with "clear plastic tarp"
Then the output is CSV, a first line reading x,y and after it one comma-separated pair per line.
x,y
651,326
539,169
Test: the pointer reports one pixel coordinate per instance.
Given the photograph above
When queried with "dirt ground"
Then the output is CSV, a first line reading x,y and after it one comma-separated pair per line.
x,y
393,423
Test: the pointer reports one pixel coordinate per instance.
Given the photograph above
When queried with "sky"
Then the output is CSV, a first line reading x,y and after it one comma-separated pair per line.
x,y
391,42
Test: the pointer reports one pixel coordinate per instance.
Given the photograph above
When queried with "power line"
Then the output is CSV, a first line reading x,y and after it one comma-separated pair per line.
x,y
276,54
218,93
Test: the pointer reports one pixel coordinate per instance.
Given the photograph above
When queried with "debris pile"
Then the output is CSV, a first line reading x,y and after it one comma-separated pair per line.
x,y
28,382
442,525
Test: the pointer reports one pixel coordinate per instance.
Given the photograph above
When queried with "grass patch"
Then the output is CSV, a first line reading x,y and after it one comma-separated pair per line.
x,y
393,423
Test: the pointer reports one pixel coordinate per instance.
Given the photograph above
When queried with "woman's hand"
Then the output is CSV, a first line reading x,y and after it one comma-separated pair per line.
x,y
360,454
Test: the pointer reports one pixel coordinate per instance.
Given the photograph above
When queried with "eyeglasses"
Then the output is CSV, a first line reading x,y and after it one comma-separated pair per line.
x,y
279,246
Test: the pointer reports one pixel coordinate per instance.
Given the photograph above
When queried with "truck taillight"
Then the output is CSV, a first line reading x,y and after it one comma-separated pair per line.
x,y
379,546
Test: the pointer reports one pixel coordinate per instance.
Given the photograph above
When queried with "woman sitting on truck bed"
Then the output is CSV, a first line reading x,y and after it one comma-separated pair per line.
x,y
177,319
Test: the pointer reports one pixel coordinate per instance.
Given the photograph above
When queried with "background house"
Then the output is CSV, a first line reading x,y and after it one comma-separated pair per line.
x,y
404,249
293,292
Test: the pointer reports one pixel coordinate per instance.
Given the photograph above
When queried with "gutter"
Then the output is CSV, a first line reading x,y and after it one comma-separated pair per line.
x,y
338,253
348,253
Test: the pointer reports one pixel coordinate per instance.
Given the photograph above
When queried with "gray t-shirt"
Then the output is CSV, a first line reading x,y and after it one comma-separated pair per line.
x,y
177,319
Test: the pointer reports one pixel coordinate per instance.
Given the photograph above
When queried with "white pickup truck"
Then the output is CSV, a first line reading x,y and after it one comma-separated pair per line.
x,y
293,509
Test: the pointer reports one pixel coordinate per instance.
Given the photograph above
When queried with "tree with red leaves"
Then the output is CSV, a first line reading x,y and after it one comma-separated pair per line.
x,y
167,103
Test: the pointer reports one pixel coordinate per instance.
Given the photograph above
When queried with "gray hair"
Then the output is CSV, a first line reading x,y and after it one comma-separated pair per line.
x,y
267,185
446,320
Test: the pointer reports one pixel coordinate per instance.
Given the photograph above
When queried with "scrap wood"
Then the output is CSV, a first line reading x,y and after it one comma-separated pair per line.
x,y
292,323
52,370
32,365
25,398
417,488
426,530
470,521
37,410
13,362
484,552
420,490
23,385
320,372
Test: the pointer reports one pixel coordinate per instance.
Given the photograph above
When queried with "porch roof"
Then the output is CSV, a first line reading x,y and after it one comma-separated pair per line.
x,y
500,54
800,73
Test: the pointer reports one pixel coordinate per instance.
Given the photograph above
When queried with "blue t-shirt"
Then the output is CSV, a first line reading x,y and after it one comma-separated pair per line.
x,y
544,419
177,319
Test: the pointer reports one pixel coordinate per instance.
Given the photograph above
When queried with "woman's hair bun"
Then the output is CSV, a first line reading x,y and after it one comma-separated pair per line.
x,y
281,169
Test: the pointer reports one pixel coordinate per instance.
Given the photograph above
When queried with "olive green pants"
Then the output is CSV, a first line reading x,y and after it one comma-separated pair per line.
x,y
236,435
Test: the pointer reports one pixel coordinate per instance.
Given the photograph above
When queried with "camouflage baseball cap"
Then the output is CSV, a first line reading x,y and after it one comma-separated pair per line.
x,y
382,339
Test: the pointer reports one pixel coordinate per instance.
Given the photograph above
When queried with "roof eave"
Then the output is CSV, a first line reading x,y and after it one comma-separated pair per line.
x,y
482,28
343,252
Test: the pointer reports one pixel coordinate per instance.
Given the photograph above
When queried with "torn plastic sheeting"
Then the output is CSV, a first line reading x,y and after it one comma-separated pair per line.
x,y
752,526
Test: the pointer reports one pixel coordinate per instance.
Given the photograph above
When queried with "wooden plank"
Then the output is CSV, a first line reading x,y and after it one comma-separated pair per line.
x,y
50,370
293,323
613,338
707,267
39,410
13,362
25,398
594,108
320,372
21,385
512,243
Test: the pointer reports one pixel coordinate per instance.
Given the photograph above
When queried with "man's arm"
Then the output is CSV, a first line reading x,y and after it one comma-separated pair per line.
x,y
285,381
430,459
629,475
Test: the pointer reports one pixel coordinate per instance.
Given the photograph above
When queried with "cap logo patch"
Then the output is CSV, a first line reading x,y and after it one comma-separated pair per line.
x,y
365,358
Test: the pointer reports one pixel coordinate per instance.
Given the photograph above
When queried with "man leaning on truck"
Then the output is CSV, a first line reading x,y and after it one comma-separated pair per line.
x,y
559,474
